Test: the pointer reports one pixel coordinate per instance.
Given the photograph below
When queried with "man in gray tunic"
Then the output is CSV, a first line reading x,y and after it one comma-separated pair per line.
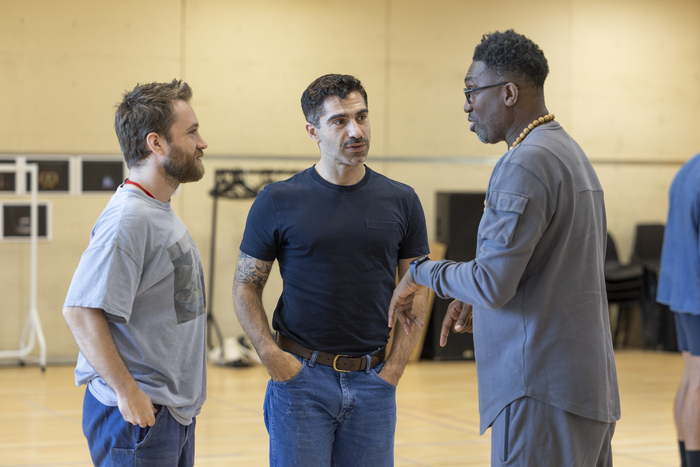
x,y
547,377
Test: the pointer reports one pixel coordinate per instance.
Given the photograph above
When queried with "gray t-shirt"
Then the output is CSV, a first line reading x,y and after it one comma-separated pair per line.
x,y
541,325
143,270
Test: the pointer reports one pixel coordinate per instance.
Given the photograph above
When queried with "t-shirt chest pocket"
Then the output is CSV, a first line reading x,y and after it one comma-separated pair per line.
x,y
383,239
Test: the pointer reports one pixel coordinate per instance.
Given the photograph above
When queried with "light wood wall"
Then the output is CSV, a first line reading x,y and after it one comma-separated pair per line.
x,y
624,81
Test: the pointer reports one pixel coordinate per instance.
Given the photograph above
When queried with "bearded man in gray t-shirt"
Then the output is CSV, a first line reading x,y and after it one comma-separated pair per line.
x,y
136,303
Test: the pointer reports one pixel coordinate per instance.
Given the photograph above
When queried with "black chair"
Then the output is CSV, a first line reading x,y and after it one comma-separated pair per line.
x,y
626,286
648,242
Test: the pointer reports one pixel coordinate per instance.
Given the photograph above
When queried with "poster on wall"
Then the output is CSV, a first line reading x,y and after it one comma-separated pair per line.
x,y
16,221
53,175
102,176
7,179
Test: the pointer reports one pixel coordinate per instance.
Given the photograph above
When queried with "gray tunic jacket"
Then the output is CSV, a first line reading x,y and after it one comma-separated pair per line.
x,y
541,325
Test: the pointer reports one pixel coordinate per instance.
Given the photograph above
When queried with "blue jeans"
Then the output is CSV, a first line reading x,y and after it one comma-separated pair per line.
x,y
115,442
323,418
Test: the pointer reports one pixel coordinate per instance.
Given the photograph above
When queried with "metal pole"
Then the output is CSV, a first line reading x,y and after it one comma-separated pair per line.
x,y
211,321
32,327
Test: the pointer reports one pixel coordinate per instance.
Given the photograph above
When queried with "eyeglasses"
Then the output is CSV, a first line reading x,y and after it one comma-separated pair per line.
x,y
468,91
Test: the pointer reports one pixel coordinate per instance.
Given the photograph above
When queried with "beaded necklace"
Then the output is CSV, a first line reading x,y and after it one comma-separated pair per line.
x,y
526,131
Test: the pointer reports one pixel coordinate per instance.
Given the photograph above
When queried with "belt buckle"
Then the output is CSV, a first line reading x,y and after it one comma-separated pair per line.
x,y
335,361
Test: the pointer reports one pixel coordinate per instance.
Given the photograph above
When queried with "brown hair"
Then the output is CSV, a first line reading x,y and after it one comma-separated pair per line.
x,y
147,109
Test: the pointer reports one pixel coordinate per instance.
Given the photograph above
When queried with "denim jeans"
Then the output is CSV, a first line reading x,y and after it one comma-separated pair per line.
x,y
323,418
115,442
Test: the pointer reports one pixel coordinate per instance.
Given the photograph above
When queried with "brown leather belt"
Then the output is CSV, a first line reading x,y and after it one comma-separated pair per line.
x,y
342,363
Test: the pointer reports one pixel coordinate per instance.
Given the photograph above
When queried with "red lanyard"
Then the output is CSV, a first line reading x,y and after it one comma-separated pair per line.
x,y
129,182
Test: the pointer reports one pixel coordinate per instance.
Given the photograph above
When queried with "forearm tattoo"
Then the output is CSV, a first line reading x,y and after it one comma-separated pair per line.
x,y
252,271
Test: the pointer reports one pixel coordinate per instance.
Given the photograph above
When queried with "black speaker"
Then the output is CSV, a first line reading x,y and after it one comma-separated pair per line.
x,y
458,218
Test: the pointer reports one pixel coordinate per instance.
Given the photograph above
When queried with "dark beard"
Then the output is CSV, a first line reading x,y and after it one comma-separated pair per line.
x,y
181,168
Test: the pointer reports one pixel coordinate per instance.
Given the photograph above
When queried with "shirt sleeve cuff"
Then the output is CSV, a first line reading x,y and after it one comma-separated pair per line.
x,y
420,273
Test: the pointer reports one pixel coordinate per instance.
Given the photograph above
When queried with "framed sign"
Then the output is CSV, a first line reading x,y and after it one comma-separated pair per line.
x,y
53,175
16,221
7,179
102,176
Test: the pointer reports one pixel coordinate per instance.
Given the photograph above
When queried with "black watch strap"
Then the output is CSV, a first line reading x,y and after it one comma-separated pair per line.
x,y
416,262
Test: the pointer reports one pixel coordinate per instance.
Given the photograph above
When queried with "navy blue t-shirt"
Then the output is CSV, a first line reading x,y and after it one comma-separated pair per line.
x,y
338,248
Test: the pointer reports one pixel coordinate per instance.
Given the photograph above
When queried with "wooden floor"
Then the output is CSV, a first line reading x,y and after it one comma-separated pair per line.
x,y
437,416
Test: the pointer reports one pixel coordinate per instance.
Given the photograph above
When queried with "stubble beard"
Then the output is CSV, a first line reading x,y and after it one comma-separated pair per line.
x,y
351,160
357,158
487,131
338,156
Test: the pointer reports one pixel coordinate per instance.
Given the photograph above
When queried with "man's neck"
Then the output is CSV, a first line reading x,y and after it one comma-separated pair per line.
x,y
341,174
522,120
149,178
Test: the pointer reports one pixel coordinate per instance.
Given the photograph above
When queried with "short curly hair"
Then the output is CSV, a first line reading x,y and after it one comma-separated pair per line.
x,y
512,56
326,86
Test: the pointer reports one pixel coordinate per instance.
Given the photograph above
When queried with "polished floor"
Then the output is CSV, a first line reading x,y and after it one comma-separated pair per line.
x,y
437,416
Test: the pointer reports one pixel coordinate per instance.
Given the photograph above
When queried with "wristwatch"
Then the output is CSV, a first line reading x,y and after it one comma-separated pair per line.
x,y
415,263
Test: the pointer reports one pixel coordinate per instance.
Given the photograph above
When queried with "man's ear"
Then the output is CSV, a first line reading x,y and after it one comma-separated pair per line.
x,y
313,132
511,95
156,143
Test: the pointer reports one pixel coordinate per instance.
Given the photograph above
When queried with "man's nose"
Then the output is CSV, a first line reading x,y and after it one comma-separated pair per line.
x,y
354,129
202,144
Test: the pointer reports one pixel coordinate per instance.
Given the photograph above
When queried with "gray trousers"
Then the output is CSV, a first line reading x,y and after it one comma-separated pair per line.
x,y
531,433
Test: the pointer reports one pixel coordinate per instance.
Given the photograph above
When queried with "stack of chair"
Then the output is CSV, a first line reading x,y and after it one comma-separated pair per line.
x,y
648,242
626,286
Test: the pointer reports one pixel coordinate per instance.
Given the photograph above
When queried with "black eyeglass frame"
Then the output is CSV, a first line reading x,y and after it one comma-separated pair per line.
x,y
468,91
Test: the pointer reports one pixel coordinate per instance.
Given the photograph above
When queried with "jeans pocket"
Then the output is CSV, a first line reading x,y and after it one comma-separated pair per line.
x,y
146,434
143,432
384,382
304,364
122,457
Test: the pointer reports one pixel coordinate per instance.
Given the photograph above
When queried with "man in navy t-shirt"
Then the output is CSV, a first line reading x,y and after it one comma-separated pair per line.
x,y
339,231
